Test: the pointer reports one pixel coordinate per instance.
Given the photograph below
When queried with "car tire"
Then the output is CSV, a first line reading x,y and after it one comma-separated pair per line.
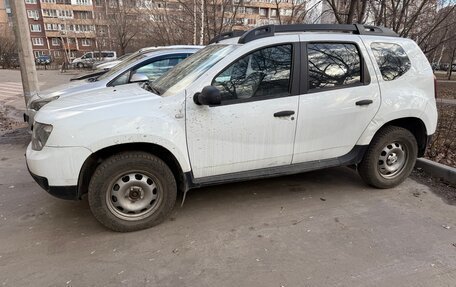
x,y
80,65
390,157
131,191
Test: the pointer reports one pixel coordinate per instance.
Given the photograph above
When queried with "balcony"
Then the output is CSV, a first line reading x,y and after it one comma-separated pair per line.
x,y
70,34
66,7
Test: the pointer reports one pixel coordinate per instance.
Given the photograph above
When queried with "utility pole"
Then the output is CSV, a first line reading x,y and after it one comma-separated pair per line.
x,y
194,22
202,23
26,58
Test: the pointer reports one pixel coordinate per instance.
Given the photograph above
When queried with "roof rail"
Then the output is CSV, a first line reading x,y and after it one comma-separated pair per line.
x,y
270,30
227,35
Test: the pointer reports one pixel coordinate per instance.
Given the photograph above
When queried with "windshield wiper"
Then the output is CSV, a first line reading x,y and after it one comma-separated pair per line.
x,y
151,88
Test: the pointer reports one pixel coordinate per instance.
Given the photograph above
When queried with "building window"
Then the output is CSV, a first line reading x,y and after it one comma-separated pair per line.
x,y
65,13
273,12
263,12
81,2
35,28
49,13
52,27
34,14
37,41
38,53
57,54
30,1
55,42
86,42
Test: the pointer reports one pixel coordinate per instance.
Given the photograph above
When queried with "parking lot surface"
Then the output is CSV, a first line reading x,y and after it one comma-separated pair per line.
x,y
322,228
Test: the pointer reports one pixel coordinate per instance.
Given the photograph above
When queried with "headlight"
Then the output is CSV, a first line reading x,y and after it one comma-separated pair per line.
x,y
40,135
38,104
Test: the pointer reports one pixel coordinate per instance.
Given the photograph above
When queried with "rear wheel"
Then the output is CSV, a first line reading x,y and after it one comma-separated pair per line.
x,y
132,191
390,158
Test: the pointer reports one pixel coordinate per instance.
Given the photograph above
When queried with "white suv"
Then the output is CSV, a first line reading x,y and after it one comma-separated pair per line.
x,y
277,100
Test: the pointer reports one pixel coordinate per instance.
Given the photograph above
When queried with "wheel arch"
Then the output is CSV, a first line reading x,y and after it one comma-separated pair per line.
x,y
94,160
413,124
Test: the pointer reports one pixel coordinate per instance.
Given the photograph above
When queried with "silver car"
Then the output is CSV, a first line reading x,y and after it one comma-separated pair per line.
x,y
144,65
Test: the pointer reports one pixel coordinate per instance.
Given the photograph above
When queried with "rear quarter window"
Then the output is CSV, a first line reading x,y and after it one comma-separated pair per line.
x,y
392,60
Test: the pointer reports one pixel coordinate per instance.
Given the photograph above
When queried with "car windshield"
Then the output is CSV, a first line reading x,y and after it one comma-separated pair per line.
x,y
190,69
122,65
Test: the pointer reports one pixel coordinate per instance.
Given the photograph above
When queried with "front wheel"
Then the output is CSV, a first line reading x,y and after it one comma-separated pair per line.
x,y
132,191
390,157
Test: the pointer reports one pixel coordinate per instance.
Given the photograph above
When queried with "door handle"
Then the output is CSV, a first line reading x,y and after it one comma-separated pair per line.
x,y
364,102
283,114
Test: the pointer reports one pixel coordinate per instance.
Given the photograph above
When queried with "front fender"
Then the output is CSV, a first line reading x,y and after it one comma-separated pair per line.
x,y
160,122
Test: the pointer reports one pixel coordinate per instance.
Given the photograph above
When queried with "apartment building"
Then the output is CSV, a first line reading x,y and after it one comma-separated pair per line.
x,y
73,27
61,27
5,16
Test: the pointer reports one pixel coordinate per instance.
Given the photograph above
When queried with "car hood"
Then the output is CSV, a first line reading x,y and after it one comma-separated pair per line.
x,y
91,74
67,88
98,100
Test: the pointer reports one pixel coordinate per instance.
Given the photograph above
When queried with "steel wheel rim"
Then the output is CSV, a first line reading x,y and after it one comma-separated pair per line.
x,y
392,160
134,196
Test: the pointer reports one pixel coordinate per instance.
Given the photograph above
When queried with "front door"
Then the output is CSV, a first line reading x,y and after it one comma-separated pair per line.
x,y
255,125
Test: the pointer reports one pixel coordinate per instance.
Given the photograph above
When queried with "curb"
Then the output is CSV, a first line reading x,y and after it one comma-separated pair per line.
x,y
435,169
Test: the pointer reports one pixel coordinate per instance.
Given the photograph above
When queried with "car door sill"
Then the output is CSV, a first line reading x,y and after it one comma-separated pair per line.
x,y
352,157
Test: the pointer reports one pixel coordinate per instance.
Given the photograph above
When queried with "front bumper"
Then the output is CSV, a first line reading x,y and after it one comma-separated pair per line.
x,y
56,169
62,192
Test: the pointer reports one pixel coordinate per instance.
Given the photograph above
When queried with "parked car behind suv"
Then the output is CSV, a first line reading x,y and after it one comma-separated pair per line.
x,y
146,64
43,60
277,100
106,65
89,58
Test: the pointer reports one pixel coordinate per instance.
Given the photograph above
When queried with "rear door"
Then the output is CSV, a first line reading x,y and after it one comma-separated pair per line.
x,y
340,95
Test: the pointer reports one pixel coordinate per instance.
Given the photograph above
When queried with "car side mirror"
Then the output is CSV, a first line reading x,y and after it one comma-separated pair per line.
x,y
138,77
209,96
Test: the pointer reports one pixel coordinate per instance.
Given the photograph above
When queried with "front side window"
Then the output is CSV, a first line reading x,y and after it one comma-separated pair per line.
x,y
392,60
121,80
263,73
333,65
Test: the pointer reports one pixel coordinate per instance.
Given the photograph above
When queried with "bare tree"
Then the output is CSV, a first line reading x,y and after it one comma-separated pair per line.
x,y
8,48
123,23
351,11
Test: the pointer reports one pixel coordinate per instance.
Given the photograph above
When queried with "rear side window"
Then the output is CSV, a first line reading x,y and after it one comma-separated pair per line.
x,y
391,59
333,65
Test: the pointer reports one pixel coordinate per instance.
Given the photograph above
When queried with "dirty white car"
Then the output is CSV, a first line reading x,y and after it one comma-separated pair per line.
x,y
277,100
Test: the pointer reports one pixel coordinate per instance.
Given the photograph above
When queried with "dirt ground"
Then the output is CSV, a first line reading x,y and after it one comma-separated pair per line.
x,y
443,146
